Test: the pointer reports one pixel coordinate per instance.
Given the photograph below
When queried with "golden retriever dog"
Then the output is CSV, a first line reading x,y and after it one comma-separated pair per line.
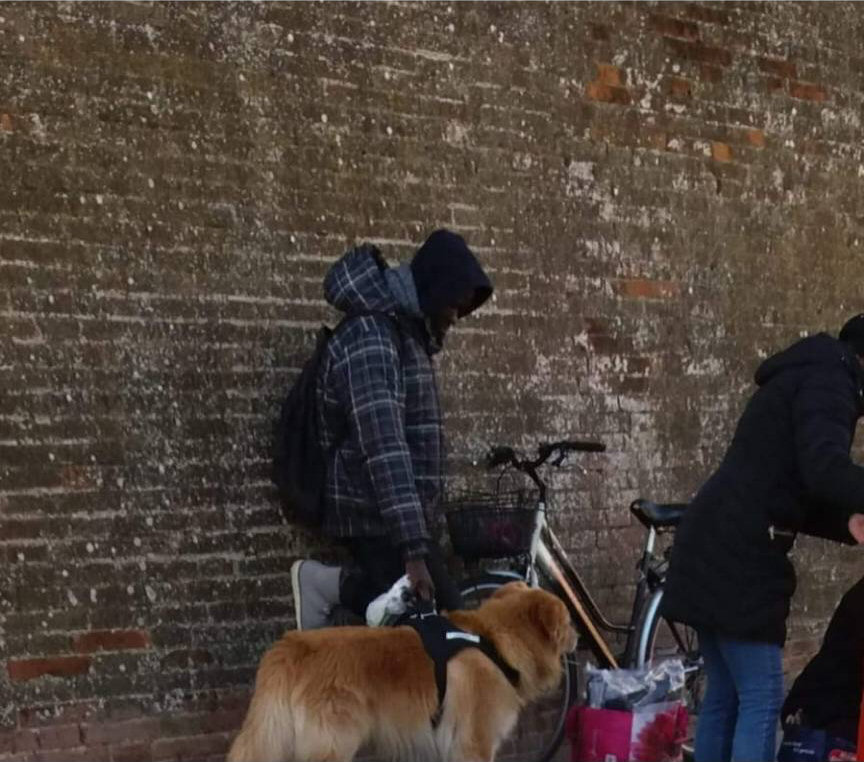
x,y
320,695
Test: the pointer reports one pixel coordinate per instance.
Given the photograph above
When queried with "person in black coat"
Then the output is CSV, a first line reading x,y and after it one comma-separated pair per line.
x,y
787,470
827,694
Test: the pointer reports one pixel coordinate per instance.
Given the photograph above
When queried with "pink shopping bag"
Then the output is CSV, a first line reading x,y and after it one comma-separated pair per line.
x,y
652,734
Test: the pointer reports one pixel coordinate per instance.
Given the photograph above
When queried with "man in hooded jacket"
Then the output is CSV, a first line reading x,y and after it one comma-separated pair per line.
x,y
381,424
787,470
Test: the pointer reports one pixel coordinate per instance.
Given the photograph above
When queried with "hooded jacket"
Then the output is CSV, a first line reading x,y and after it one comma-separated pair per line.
x,y
787,470
379,407
828,691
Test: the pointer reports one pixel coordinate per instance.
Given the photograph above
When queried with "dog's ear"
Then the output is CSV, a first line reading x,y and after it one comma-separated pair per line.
x,y
510,588
551,617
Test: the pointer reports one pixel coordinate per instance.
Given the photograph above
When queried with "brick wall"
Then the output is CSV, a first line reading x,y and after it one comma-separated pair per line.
x,y
662,193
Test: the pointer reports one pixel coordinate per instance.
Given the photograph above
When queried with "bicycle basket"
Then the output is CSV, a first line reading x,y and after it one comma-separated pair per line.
x,y
490,525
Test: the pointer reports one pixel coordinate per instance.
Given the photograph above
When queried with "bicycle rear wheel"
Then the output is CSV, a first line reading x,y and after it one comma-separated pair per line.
x,y
540,729
659,640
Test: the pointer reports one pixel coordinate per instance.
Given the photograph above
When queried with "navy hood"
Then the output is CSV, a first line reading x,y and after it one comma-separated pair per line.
x,y
821,349
445,271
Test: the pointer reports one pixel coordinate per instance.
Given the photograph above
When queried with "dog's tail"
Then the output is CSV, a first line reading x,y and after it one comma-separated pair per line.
x,y
268,732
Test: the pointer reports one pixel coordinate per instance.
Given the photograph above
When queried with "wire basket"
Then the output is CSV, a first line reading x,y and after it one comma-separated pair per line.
x,y
490,524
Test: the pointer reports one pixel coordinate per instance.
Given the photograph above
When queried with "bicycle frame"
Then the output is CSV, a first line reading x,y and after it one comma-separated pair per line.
x,y
549,558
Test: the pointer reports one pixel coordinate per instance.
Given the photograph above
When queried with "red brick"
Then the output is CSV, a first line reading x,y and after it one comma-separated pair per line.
x,y
638,365
721,151
599,32
631,385
190,747
6,123
597,91
773,84
24,744
79,477
225,718
807,91
111,640
642,288
706,13
37,716
656,139
26,740
57,666
710,73
756,138
604,345
7,741
142,729
696,51
79,754
677,86
778,67
673,27
610,75
597,325
132,752
58,736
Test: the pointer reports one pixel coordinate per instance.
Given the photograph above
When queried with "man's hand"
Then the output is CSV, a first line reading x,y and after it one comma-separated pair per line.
x,y
421,580
856,527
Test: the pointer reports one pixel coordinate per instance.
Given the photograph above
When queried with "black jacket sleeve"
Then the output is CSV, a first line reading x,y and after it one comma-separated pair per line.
x,y
825,411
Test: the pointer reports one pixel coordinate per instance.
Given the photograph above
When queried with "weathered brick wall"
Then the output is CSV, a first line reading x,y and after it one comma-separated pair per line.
x,y
662,194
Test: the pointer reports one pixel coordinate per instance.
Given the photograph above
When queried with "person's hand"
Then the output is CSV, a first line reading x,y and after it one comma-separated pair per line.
x,y
421,580
856,527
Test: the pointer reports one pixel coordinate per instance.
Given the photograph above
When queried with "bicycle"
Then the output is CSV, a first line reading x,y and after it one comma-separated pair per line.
x,y
497,526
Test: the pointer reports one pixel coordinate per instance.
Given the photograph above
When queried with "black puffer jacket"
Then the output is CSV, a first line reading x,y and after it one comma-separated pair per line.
x,y
788,467
828,691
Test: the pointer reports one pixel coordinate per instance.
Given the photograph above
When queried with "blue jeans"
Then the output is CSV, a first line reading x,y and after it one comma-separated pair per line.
x,y
738,720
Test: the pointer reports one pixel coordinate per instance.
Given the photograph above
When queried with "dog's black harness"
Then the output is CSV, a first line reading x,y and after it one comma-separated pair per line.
x,y
442,640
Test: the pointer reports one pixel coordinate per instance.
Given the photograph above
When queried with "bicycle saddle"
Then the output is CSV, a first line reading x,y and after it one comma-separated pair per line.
x,y
658,515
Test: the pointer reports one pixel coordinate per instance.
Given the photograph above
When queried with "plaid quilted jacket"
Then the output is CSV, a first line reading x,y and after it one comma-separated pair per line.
x,y
380,414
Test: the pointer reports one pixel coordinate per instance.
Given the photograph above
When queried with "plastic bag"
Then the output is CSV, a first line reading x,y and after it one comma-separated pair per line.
x,y
631,689
805,744
389,606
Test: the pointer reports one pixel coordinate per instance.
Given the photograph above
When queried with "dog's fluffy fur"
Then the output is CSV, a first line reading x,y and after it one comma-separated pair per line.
x,y
321,695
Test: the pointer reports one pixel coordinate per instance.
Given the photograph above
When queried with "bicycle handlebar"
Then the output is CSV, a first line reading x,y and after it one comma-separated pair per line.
x,y
499,456
572,445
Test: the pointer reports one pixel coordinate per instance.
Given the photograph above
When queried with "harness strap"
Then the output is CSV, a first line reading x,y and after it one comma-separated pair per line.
x,y
488,648
442,640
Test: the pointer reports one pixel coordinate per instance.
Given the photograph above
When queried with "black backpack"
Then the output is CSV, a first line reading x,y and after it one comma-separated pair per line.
x,y
299,460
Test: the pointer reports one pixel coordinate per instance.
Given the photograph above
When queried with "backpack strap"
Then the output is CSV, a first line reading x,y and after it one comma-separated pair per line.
x,y
393,320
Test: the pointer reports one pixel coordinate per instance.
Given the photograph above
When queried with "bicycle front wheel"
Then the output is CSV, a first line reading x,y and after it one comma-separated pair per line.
x,y
540,729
